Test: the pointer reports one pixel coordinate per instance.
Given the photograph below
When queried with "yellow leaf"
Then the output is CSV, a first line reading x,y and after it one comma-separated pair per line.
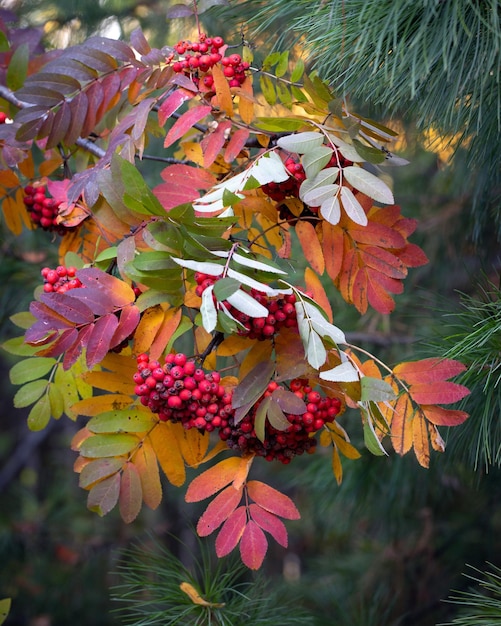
x,y
195,597
145,333
12,215
313,284
260,353
223,98
100,404
110,381
242,472
66,383
49,166
337,468
166,446
401,425
193,152
9,178
420,440
145,460
437,443
192,444
202,340
233,345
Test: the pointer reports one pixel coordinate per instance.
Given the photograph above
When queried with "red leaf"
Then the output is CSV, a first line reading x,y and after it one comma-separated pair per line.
x,y
172,103
213,480
182,183
378,298
64,342
231,531
60,126
383,261
94,98
269,523
99,341
219,510
213,143
236,144
412,255
71,309
443,417
377,234
127,324
253,546
48,319
78,107
437,393
428,370
75,350
185,122
93,298
111,87
115,290
272,500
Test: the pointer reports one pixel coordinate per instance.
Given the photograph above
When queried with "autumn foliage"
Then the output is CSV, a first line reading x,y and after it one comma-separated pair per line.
x,y
264,165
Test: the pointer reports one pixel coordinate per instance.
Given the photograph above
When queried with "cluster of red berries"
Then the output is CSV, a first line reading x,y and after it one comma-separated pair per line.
x,y
60,280
199,57
43,210
282,312
290,187
180,391
283,445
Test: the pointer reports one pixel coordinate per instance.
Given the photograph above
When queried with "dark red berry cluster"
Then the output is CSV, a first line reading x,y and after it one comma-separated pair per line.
x,y
290,187
43,209
180,391
282,312
196,59
59,280
283,445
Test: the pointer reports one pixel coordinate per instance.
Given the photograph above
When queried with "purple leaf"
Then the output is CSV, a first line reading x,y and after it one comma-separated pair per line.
x,y
68,308
98,343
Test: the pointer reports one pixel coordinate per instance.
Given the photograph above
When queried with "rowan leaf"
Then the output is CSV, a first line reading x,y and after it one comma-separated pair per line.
x,y
253,546
104,495
137,419
311,246
219,510
29,393
288,401
343,373
231,531
399,416
146,463
443,417
184,123
375,390
330,210
30,369
367,183
105,445
212,480
99,341
352,206
272,500
39,415
5,604
420,440
172,103
101,404
428,370
166,447
224,98
99,469
437,392
253,385
245,303
269,523
118,292
208,309
301,143
66,307
131,494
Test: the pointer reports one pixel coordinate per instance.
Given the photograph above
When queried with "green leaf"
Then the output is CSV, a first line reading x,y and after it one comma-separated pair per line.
x,y
315,160
228,324
106,255
372,443
18,68
260,418
298,71
133,420
272,59
225,287
367,183
105,445
23,319
56,400
30,369
301,142
276,416
375,390
316,352
17,346
29,393
282,64
39,416
370,154
230,198
184,326
279,124
5,603
268,89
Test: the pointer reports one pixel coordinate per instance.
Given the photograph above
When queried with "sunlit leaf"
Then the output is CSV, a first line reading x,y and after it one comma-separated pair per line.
x,y
272,500
219,510
369,184
301,142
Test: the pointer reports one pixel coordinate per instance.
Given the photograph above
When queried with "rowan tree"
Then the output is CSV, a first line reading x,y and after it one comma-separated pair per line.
x,y
190,320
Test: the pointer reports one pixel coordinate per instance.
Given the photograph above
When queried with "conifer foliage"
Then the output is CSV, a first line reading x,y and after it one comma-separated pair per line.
x,y
202,258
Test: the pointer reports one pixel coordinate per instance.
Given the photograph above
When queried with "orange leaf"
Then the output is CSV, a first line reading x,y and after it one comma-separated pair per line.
x,y
259,353
131,495
223,98
166,447
246,105
167,328
310,244
420,440
332,245
313,284
438,393
272,500
192,443
377,297
443,417
213,480
437,442
399,416
428,370
213,143
253,546
151,322
231,531
99,404
219,510
146,463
